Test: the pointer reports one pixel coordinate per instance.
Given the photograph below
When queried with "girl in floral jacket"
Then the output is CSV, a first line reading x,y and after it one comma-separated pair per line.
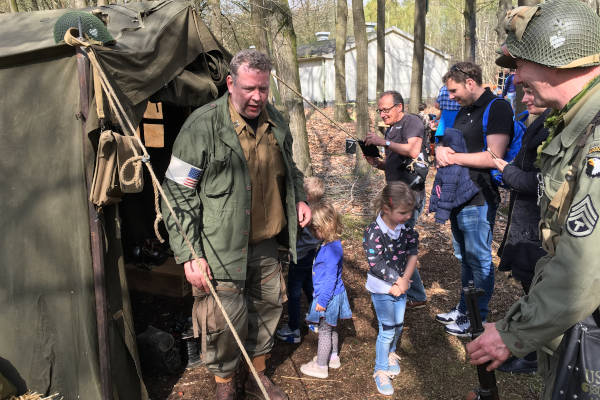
x,y
391,250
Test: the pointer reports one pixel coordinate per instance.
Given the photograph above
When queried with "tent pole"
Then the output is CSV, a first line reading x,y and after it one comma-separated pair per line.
x,y
96,236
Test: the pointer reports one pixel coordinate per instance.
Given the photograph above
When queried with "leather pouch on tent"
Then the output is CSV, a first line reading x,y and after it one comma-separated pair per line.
x,y
118,168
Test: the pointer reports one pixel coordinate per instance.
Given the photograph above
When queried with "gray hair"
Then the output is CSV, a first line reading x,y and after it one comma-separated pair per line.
x,y
396,96
255,60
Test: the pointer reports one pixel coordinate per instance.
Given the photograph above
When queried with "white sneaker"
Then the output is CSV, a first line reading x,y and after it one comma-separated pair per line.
x,y
449,317
383,382
334,361
311,368
460,327
287,335
393,364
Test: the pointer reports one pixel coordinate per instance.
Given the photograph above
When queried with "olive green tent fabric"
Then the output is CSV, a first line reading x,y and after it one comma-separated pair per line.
x,y
155,41
46,288
48,334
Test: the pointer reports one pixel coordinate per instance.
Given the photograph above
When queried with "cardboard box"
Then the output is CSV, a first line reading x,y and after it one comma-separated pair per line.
x,y
165,280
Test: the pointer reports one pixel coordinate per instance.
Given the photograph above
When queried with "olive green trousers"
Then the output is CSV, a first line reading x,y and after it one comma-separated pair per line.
x,y
254,307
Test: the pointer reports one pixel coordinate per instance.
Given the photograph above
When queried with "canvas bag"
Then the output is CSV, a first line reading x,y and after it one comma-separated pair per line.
x,y
118,168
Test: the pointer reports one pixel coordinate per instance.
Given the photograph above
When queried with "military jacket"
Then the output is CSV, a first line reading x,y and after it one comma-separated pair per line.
x,y
566,285
211,190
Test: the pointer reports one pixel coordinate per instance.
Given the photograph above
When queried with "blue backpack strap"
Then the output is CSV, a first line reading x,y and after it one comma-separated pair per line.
x,y
486,114
522,117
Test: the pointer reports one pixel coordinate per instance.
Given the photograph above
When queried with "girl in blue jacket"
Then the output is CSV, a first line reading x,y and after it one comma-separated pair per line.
x,y
330,302
391,249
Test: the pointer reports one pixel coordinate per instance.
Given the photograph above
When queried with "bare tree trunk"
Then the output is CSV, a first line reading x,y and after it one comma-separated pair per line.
x,y
80,3
362,168
503,7
341,28
416,79
261,14
214,19
102,2
284,50
13,6
380,47
257,16
470,15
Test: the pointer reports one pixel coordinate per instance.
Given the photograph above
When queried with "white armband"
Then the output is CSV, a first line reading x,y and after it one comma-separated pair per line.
x,y
183,173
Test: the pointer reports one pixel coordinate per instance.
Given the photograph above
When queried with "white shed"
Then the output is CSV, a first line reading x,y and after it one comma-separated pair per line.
x,y
317,72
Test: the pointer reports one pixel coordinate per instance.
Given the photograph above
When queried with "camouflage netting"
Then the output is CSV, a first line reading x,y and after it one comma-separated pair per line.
x,y
561,32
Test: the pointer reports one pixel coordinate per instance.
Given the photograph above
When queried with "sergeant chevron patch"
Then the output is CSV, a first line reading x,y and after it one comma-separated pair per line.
x,y
582,218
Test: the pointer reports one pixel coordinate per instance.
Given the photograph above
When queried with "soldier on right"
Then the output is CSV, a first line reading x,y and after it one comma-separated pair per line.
x,y
555,49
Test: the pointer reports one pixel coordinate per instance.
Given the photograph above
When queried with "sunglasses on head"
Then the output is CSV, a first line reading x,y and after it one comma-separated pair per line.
x,y
455,68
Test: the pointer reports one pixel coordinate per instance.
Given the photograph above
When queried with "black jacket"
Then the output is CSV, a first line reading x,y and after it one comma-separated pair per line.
x,y
521,247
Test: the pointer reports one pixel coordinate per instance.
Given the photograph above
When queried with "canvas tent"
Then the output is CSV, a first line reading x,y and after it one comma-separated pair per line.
x,y
48,330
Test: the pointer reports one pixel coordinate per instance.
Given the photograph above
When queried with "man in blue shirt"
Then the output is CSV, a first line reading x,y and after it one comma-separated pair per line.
x,y
448,108
510,90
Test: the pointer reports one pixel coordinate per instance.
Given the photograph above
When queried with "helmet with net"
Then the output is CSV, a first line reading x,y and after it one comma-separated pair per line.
x,y
557,34
93,29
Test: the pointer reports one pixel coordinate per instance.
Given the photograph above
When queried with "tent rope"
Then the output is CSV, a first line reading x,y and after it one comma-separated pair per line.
x,y
128,129
340,127
137,165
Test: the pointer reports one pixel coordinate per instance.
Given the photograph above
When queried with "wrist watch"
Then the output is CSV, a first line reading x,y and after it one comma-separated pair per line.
x,y
387,143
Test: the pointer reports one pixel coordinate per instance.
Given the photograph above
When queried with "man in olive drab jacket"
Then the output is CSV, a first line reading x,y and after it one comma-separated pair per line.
x,y
546,46
235,187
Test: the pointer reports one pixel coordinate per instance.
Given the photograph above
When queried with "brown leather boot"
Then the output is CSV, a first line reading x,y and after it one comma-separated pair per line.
x,y
225,389
253,390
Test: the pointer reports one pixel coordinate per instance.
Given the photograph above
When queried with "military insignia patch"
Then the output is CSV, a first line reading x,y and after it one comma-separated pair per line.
x,y
592,167
582,218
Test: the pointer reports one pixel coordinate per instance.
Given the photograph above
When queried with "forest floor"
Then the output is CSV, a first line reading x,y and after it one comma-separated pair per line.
x,y
434,364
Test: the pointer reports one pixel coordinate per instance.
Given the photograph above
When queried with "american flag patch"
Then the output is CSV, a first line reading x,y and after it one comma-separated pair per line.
x,y
183,173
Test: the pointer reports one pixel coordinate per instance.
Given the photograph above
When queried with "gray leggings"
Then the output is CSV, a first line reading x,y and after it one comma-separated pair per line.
x,y
328,342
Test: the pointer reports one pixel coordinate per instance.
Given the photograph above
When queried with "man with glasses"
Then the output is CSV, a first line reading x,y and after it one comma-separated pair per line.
x,y
403,142
555,48
473,222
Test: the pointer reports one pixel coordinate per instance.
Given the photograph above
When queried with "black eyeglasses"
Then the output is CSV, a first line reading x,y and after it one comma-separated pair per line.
x,y
462,71
385,110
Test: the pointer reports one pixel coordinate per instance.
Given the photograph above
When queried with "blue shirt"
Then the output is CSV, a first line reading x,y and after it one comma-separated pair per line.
x,y
445,102
509,85
327,272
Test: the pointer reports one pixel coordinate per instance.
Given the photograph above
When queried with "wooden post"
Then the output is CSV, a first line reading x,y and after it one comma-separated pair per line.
x,y
96,237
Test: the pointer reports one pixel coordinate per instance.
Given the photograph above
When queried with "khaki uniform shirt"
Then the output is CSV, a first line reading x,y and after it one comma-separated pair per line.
x,y
566,286
267,174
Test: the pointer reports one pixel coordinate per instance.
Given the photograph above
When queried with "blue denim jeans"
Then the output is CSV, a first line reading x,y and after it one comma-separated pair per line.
x,y
299,279
472,229
390,316
416,292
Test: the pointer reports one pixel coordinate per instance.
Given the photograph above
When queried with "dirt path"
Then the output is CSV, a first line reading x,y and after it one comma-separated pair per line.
x,y
433,363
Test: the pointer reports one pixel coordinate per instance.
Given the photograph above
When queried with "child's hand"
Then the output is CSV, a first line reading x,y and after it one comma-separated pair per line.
x,y
318,307
395,290
403,284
